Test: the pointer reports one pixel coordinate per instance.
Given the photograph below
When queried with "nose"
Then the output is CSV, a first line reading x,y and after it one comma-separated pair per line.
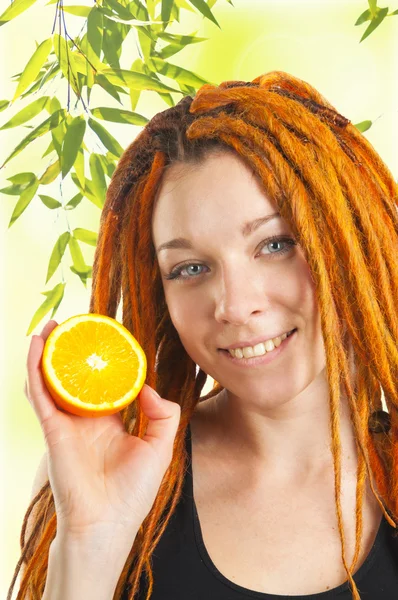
x,y
241,295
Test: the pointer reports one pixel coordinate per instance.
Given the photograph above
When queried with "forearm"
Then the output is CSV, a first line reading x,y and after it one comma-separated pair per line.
x,y
86,569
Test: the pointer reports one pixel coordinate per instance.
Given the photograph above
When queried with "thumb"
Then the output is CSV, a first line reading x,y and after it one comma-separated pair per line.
x,y
164,418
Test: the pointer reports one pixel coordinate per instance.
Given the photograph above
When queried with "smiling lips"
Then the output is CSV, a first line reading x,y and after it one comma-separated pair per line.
x,y
259,349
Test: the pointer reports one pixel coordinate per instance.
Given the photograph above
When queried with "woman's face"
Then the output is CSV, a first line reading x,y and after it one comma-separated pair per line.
x,y
236,286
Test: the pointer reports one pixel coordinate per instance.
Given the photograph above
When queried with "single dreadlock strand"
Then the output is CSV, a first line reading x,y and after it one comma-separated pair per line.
x,y
33,503
105,263
47,538
360,489
378,170
378,464
143,269
363,412
281,81
394,439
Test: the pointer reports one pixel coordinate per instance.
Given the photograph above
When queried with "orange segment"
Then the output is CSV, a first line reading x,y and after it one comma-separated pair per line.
x,y
92,365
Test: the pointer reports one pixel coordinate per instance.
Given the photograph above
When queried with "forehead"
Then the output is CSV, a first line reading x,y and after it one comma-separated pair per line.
x,y
223,187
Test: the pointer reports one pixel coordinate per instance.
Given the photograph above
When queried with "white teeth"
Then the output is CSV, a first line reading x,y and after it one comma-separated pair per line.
x,y
258,349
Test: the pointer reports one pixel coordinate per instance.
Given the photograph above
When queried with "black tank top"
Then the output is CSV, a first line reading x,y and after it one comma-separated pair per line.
x,y
183,570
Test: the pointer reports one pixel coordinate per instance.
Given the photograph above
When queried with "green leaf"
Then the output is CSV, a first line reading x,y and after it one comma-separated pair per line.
x,y
24,201
50,149
112,43
91,60
13,190
150,4
42,78
365,16
77,256
79,11
50,203
66,61
57,254
373,7
119,10
79,264
22,178
183,4
106,138
86,236
205,10
167,5
375,23
94,31
58,135
74,201
363,126
54,105
33,67
138,67
51,173
47,125
135,80
80,63
178,73
84,275
4,104
87,190
180,40
147,43
98,177
112,90
79,165
107,163
16,8
52,301
19,183
27,113
117,115
138,10
72,142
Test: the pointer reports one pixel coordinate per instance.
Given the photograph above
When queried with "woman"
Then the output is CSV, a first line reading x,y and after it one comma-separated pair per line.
x,y
252,212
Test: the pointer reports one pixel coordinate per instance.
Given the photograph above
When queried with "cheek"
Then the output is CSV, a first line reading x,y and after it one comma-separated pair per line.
x,y
183,312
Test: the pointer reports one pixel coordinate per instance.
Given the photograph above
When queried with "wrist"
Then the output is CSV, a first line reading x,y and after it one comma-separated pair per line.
x,y
85,567
101,543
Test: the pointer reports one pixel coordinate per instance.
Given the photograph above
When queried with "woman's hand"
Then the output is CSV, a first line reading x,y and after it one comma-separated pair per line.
x,y
100,476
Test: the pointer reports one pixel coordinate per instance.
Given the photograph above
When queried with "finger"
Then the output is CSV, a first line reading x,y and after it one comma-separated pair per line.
x,y
38,394
164,417
48,329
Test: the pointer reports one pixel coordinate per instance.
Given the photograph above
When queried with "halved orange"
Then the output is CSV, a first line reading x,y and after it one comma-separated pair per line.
x,y
92,365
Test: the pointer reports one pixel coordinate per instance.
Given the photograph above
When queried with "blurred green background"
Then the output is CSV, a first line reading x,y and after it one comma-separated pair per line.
x,y
317,42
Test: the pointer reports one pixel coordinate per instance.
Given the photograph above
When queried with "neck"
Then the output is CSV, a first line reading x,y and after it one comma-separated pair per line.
x,y
288,441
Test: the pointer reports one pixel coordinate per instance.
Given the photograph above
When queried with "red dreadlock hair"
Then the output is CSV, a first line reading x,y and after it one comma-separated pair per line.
x,y
340,200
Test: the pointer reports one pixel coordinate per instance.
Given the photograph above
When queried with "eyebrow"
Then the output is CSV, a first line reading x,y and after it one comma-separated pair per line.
x,y
246,230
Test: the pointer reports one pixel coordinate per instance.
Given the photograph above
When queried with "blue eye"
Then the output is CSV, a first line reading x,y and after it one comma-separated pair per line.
x,y
289,243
